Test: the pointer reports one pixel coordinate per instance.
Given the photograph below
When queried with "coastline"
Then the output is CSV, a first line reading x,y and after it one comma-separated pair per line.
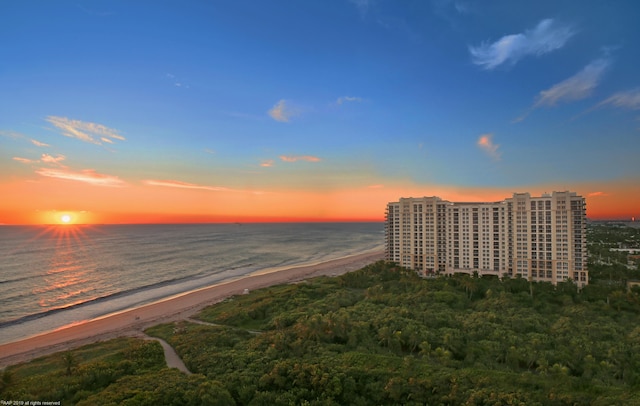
x,y
132,322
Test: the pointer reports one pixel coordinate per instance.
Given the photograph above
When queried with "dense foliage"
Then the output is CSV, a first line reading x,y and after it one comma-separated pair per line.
x,y
380,335
72,376
606,265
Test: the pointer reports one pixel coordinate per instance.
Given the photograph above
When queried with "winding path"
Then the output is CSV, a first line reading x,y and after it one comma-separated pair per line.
x,y
206,323
170,355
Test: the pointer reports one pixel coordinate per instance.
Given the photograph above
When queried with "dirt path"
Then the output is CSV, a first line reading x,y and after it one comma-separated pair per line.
x,y
170,355
206,323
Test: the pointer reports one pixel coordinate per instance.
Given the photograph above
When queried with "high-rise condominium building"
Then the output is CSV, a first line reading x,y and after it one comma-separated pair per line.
x,y
538,238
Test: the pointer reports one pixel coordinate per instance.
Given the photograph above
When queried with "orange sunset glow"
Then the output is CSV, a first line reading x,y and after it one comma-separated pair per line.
x,y
65,203
260,128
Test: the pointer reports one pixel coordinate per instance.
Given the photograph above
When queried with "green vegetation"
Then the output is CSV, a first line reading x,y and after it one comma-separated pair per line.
x,y
380,335
608,266
72,376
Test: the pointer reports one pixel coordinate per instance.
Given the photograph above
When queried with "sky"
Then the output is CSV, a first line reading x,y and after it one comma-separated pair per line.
x,y
313,110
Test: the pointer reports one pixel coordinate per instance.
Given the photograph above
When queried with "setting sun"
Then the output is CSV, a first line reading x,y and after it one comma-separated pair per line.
x,y
66,219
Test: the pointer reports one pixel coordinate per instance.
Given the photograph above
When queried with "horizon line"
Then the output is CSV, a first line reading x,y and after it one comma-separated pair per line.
x,y
281,221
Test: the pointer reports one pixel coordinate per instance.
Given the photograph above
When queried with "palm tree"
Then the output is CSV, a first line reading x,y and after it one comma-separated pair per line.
x,y
69,362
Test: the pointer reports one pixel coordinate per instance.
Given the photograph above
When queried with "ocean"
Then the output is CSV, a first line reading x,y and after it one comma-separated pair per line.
x,y
52,276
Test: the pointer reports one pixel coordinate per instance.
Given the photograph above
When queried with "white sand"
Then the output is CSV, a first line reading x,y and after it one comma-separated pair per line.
x,y
132,322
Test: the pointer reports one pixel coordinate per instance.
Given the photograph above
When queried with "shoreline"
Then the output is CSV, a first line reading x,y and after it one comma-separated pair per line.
x,y
132,322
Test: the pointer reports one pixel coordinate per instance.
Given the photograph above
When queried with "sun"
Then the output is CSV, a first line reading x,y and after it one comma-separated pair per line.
x,y
66,219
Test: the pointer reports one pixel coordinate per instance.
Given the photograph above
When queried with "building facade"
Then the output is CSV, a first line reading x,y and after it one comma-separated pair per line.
x,y
538,238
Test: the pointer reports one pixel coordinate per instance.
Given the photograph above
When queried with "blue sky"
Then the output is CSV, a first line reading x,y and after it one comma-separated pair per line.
x,y
318,97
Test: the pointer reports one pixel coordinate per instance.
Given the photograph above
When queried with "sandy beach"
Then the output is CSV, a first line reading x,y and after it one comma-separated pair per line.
x,y
132,322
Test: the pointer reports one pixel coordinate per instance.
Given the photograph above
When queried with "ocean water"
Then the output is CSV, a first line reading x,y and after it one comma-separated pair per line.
x,y
51,276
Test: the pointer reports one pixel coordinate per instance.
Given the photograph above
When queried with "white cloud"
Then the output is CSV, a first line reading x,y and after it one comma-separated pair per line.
x,y
38,143
267,163
485,143
186,185
308,158
49,159
45,158
183,185
281,112
85,131
89,176
23,160
348,99
18,136
577,87
177,82
547,36
628,100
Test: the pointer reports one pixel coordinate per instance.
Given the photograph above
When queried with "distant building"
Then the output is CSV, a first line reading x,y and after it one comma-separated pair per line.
x,y
538,238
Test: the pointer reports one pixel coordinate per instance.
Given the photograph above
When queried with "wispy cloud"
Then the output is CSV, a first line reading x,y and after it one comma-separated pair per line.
x,y
629,100
183,185
597,194
85,131
462,7
18,136
362,5
547,36
577,87
281,112
45,158
176,82
375,186
98,13
485,143
23,160
267,163
348,99
89,176
292,158
12,134
38,143
49,159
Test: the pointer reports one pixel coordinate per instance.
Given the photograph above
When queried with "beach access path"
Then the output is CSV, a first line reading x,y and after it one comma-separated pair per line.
x,y
171,357
132,322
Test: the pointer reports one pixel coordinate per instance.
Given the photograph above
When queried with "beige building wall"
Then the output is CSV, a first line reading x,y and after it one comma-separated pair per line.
x,y
477,238
412,238
538,238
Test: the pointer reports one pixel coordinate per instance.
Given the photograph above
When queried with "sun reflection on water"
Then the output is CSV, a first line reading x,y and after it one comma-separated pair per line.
x,y
67,281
